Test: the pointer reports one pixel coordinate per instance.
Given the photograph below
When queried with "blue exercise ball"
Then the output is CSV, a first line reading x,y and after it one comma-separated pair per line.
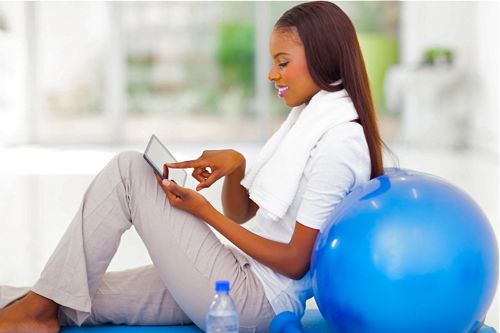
x,y
407,252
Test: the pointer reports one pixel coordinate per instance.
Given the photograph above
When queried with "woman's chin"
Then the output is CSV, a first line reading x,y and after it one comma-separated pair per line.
x,y
290,103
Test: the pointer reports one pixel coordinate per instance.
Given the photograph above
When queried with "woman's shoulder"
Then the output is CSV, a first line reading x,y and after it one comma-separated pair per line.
x,y
345,142
342,147
348,131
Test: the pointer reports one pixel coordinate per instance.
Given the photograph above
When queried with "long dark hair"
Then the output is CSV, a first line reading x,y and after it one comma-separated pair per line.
x,y
332,52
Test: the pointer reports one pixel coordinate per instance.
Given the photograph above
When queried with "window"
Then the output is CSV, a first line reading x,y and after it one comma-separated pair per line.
x,y
115,72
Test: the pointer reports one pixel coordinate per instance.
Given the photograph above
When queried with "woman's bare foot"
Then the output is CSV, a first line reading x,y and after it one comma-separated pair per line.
x,y
32,313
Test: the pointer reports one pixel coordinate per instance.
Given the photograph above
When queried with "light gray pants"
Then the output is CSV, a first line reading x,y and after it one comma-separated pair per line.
x,y
188,258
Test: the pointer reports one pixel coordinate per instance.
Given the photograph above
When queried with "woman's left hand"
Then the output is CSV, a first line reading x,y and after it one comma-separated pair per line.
x,y
184,198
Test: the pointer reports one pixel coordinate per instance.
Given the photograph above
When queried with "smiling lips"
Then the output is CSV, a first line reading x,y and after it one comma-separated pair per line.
x,y
281,89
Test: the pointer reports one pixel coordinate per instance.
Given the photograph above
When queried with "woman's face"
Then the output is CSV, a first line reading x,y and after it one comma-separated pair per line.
x,y
289,71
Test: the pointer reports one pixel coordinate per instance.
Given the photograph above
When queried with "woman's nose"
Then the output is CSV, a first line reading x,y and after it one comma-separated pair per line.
x,y
273,75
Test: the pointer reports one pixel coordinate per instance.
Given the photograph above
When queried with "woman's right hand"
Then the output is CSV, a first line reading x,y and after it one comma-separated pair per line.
x,y
212,165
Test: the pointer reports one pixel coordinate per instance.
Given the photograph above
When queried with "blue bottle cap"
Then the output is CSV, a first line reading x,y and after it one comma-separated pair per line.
x,y
222,285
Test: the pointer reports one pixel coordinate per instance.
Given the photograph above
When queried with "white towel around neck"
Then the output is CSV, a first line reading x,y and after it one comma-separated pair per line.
x,y
273,180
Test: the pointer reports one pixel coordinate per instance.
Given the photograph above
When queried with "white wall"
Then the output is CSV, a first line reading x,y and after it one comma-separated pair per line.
x,y
485,124
470,29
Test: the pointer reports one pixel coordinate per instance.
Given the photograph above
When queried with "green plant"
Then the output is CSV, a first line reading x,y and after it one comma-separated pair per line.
x,y
235,55
438,55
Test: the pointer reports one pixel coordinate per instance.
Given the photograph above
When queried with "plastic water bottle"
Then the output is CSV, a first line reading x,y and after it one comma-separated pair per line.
x,y
222,316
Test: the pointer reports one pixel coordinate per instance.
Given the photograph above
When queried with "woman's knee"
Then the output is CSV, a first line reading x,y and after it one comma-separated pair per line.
x,y
132,164
130,159
129,156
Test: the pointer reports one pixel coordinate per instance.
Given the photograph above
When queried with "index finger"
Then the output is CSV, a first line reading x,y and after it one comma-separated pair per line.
x,y
185,164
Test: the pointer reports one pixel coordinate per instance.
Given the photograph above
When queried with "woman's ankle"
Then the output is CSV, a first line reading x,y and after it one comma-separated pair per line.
x,y
40,305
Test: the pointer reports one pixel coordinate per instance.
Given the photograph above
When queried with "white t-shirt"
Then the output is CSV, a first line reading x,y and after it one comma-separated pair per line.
x,y
339,162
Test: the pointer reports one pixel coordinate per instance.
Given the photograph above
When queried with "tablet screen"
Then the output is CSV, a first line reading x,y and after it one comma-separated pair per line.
x,y
157,155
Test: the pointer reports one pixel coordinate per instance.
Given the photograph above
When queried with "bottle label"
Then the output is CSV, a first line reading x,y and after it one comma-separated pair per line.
x,y
222,324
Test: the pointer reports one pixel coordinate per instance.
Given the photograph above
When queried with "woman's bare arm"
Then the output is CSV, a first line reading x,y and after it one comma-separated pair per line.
x,y
236,202
291,259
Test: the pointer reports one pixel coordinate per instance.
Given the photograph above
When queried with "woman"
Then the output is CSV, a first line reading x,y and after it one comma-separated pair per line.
x,y
328,145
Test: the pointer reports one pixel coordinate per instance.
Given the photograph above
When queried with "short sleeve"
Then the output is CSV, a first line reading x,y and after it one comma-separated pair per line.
x,y
339,161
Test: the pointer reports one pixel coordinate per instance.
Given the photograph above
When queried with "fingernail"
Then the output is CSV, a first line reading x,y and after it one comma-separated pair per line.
x,y
165,182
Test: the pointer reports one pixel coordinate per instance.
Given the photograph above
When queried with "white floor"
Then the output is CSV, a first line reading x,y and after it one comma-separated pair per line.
x,y
41,188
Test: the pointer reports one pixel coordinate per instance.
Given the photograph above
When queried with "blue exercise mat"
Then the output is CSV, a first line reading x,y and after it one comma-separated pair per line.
x,y
312,321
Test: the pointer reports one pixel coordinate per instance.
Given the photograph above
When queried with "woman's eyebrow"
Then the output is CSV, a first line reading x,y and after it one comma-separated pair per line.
x,y
279,54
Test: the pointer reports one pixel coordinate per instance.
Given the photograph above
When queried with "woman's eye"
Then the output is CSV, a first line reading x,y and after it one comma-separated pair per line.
x,y
283,64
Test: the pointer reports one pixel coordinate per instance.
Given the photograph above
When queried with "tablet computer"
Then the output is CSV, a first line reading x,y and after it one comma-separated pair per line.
x,y
156,154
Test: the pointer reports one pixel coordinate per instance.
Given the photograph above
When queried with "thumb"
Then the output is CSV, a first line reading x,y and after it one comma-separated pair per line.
x,y
212,178
173,191
172,186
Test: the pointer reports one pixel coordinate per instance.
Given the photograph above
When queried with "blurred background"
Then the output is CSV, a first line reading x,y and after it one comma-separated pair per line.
x,y
81,81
